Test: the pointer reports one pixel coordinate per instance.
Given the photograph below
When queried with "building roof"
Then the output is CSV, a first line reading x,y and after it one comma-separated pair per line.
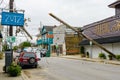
x,y
99,22
113,5
103,40
49,28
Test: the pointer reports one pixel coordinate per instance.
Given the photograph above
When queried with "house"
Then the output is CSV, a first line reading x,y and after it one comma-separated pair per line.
x,y
46,38
66,39
59,39
106,32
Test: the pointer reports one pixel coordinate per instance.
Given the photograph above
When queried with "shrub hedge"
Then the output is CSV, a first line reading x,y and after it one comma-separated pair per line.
x,y
102,56
14,70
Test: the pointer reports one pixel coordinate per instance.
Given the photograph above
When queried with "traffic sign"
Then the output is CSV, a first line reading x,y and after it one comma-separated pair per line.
x,y
11,39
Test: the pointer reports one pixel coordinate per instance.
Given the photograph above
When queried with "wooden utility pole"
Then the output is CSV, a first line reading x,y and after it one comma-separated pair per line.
x,y
11,29
11,10
85,36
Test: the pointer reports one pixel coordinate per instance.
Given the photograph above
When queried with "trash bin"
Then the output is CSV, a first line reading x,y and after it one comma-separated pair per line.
x,y
8,59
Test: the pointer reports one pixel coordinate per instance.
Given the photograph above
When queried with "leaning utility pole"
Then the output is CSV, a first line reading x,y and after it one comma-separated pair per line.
x,y
85,36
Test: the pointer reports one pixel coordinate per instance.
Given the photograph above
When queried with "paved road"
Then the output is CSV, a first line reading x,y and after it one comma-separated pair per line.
x,y
55,68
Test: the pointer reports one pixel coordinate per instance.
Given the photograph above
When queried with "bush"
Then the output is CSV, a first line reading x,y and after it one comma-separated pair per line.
x,y
118,57
14,70
102,56
110,57
1,55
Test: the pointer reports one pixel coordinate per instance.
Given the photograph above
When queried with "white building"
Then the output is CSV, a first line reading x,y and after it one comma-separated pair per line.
x,y
59,39
106,32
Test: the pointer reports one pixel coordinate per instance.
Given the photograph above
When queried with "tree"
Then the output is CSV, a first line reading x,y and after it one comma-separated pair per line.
x,y
25,44
5,47
15,48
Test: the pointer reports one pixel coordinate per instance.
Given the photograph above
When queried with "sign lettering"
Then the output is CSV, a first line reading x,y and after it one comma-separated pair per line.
x,y
14,19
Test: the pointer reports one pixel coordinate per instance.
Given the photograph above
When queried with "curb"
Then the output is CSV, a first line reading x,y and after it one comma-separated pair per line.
x,y
92,60
24,76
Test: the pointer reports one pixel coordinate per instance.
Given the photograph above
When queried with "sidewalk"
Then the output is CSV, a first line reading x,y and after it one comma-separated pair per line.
x,y
114,62
5,76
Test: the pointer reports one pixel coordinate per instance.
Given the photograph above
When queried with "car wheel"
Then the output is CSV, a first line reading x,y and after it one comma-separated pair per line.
x,y
32,60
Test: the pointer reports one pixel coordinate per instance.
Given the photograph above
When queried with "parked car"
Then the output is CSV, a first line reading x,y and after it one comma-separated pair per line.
x,y
28,58
43,52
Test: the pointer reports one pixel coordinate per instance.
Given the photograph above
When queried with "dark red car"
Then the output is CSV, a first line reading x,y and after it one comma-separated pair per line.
x,y
28,58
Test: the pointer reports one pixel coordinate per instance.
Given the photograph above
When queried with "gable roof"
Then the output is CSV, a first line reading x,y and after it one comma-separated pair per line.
x,y
113,5
48,28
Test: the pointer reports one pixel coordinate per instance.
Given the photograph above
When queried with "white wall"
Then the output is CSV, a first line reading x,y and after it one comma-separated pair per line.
x,y
59,34
59,37
115,48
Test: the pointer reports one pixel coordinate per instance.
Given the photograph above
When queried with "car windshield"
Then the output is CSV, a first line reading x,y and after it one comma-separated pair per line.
x,y
29,55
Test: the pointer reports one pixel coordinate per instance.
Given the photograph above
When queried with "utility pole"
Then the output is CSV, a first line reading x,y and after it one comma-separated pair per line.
x,y
11,30
82,34
11,10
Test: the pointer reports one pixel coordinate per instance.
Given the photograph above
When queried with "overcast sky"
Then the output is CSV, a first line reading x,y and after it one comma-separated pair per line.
x,y
75,12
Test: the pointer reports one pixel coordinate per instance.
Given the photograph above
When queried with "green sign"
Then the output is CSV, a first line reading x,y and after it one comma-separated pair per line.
x,y
11,39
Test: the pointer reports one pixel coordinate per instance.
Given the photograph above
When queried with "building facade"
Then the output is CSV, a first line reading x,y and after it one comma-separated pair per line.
x,y
66,39
106,32
46,38
59,39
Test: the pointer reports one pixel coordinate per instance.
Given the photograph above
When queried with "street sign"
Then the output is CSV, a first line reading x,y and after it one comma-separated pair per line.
x,y
13,19
11,39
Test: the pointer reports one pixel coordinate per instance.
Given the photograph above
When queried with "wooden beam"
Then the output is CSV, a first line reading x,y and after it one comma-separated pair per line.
x,y
85,36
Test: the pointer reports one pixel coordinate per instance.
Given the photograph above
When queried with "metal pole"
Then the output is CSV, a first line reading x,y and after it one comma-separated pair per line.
x,y
82,34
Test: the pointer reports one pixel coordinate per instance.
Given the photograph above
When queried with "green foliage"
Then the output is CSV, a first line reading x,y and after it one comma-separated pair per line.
x,y
14,70
118,57
25,44
1,55
15,48
4,47
102,56
110,57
